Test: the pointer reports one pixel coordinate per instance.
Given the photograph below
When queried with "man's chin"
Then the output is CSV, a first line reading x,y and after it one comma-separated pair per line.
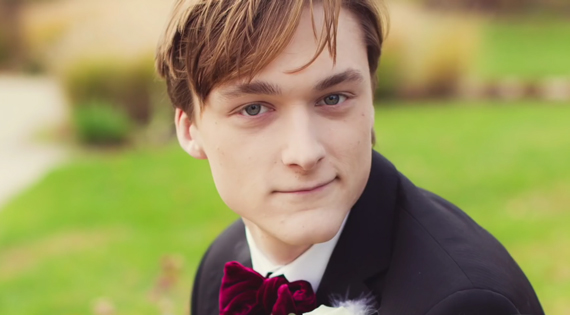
x,y
317,225
311,235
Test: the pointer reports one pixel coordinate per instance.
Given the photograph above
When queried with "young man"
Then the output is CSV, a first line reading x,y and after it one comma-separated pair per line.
x,y
277,95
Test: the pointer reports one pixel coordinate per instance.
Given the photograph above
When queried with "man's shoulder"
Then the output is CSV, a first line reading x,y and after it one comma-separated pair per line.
x,y
453,238
231,245
440,251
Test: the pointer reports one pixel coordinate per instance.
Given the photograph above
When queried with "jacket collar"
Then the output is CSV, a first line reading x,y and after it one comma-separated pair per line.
x,y
241,249
364,248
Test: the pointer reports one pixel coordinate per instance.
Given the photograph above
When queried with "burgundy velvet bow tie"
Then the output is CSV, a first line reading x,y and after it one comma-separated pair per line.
x,y
246,292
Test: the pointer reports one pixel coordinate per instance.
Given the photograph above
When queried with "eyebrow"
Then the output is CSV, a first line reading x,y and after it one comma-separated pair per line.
x,y
266,88
349,75
254,87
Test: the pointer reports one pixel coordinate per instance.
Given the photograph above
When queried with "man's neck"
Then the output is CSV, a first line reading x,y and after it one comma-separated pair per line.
x,y
278,252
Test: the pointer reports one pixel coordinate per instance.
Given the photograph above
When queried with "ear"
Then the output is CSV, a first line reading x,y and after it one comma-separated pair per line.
x,y
188,135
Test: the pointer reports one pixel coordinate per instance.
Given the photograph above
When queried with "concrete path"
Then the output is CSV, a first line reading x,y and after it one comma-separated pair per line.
x,y
28,106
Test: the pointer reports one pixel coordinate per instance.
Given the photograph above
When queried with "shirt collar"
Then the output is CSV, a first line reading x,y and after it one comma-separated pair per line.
x,y
310,266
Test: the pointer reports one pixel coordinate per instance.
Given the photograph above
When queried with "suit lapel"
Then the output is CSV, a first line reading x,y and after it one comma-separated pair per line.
x,y
362,254
235,249
241,249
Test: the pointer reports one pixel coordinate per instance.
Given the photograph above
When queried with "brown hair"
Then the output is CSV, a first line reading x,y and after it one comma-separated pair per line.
x,y
210,42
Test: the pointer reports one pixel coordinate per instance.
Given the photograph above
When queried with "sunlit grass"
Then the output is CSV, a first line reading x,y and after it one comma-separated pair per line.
x,y
99,226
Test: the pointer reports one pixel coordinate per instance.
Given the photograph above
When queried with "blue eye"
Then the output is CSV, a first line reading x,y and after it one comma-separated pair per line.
x,y
253,110
333,99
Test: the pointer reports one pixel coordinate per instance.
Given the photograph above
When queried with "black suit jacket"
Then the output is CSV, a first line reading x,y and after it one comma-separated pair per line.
x,y
413,251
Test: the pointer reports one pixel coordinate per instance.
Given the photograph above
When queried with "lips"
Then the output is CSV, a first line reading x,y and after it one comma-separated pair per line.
x,y
307,189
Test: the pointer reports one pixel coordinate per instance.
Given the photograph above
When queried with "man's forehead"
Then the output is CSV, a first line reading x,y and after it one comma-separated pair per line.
x,y
263,86
301,67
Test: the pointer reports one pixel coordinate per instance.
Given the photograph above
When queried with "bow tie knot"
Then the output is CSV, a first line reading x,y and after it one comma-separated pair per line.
x,y
246,292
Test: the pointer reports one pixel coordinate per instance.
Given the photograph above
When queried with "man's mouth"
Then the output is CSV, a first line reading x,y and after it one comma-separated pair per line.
x,y
308,188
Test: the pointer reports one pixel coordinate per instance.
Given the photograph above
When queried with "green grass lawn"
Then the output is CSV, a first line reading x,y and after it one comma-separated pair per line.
x,y
528,48
99,226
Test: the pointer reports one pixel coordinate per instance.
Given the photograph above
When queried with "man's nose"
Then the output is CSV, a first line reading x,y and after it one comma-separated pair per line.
x,y
303,149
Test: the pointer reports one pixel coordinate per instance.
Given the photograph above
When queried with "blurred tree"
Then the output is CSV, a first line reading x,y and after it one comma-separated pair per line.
x,y
12,45
501,6
11,49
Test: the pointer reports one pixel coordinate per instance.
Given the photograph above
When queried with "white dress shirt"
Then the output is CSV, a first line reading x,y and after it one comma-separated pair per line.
x,y
310,266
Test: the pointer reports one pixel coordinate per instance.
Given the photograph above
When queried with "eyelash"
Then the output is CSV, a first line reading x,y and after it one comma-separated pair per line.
x,y
242,109
341,95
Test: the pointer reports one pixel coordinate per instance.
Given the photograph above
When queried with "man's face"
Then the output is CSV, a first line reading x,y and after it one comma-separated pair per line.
x,y
291,152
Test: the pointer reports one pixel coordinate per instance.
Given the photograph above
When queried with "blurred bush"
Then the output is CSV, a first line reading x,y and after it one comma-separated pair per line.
x,y
128,84
427,54
131,90
389,75
101,123
113,64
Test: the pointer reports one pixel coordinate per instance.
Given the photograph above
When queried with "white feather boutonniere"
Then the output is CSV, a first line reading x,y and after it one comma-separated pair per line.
x,y
355,307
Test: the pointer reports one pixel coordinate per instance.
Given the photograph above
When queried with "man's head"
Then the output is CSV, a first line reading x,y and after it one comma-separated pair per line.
x,y
277,95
